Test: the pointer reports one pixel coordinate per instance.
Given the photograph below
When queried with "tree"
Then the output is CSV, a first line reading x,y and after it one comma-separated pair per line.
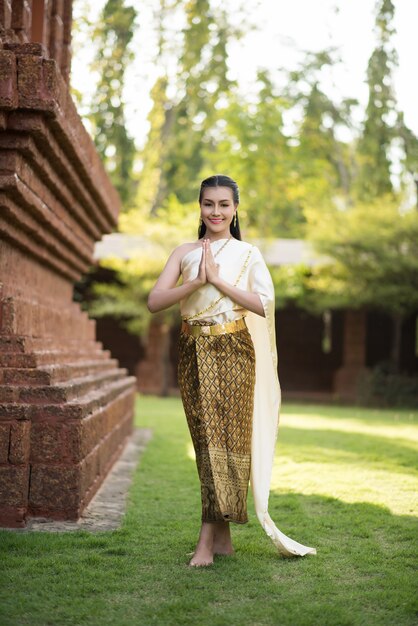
x,y
284,169
202,82
370,240
373,252
180,124
152,187
409,143
323,162
248,143
116,148
378,132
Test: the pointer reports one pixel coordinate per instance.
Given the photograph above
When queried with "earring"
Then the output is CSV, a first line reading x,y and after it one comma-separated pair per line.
x,y
235,219
200,221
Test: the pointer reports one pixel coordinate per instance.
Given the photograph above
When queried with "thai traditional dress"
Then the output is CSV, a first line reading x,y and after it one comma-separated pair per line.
x,y
228,380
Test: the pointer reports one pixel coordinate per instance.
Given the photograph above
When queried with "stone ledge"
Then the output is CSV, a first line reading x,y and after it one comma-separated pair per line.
x,y
107,507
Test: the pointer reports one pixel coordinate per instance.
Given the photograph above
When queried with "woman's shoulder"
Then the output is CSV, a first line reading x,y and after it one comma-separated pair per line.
x,y
188,245
184,248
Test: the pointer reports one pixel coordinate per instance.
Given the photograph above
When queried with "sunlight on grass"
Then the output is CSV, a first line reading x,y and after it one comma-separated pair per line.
x,y
348,459
190,451
407,433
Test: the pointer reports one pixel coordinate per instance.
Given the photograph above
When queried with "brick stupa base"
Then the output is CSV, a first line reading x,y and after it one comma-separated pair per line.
x,y
66,408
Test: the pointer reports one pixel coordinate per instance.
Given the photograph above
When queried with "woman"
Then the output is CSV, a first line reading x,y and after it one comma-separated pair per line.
x,y
227,369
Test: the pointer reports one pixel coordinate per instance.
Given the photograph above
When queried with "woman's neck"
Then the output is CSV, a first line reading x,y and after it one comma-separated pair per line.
x,y
216,237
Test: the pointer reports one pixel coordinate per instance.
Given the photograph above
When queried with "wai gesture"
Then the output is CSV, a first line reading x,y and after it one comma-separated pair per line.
x,y
208,269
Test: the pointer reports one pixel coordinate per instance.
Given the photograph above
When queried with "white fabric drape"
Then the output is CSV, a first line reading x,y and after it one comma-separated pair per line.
x,y
267,392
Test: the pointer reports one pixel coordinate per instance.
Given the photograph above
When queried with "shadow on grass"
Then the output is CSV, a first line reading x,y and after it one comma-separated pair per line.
x,y
362,574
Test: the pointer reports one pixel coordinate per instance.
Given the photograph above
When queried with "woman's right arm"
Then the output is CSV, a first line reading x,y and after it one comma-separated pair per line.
x,y
165,293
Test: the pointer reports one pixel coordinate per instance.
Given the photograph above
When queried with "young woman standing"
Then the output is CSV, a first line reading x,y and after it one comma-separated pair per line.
x,y
227,369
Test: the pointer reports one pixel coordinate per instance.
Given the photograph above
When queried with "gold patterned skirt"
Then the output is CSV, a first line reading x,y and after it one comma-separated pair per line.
x,y
216,376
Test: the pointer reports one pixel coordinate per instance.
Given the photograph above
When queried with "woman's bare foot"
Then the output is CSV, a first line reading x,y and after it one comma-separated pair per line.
x,y
201,558
222,543
203,555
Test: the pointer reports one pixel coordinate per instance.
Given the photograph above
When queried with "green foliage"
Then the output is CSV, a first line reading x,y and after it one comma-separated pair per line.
x,y
379,128
249,143
82,29
152,186
126,298
323,162
292,286
384,386
409,143
180,125
116,148
373,250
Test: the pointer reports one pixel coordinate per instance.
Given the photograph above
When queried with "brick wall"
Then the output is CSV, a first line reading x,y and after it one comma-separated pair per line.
x,y
66,407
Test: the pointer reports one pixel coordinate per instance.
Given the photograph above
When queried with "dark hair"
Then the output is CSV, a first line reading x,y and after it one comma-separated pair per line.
x,y
219,180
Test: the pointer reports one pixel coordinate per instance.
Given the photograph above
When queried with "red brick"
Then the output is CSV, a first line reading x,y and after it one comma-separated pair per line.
x,y
13,516
8,80
56,37
90,470
17,360
97,425
31,48
55,488
21,16
4,441
67,19
13,411
55,442
20,442
36,83
19,376
14,485
5,14
7,394
3,120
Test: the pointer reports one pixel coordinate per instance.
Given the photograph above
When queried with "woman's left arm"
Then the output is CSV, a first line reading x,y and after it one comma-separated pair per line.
x,y
248,300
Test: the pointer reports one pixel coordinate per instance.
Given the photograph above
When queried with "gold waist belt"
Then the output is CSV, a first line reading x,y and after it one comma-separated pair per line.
x,y
213,329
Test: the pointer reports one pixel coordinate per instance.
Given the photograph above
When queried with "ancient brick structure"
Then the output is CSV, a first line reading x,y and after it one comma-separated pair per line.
x,y
155,373
66,407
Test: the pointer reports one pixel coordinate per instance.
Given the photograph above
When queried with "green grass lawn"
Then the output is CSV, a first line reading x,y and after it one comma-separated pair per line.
x,y
344,481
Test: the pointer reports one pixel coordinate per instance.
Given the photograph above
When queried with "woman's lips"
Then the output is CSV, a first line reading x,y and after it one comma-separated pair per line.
x,y
217,221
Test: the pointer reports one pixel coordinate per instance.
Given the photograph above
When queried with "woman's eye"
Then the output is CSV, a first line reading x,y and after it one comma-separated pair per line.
x,y
223,206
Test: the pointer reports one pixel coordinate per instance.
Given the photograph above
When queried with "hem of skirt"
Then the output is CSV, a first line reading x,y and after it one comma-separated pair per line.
x,y
230,519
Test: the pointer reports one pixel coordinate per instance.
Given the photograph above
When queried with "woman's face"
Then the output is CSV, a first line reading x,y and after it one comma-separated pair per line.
x,y
217,208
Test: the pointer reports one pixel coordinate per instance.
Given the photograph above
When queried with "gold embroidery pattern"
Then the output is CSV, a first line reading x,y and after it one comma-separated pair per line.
x,y
216,375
